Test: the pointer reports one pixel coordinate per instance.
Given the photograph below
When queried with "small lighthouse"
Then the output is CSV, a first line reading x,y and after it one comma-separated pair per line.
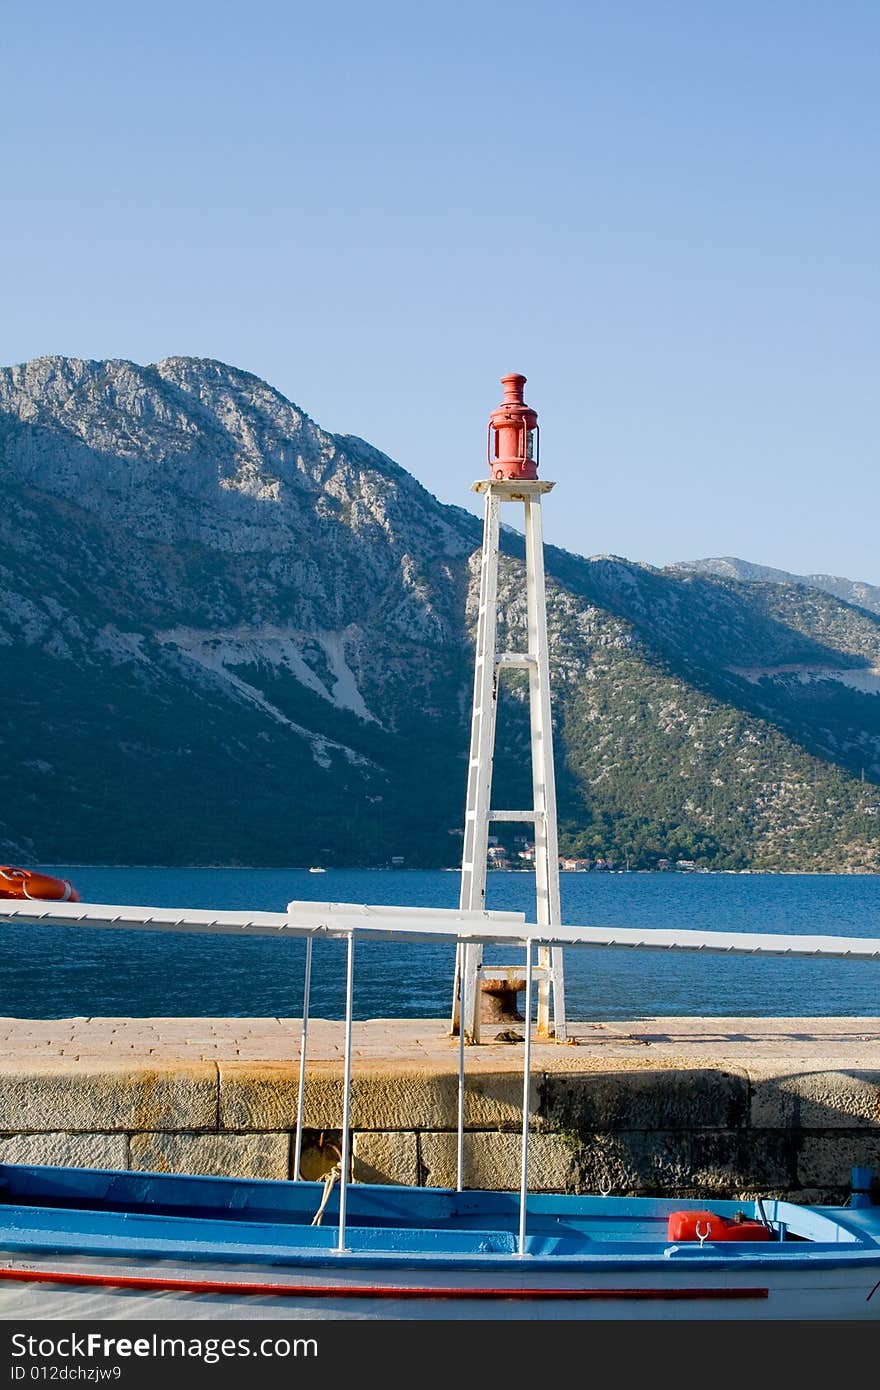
x,y
513,458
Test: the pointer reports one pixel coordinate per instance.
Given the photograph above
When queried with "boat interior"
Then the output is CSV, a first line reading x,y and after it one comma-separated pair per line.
x,y
92,1210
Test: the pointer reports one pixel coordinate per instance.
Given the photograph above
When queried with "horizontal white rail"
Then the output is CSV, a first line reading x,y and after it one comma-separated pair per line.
x,y
304,908
304,919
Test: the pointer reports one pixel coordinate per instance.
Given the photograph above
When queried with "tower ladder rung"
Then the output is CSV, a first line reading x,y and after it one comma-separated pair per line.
x,y
510,972
517,815
515,661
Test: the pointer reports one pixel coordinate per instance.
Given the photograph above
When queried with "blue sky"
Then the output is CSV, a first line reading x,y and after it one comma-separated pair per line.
x,y
666,213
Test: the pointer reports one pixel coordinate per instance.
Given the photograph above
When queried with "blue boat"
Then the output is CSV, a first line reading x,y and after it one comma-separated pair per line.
x,y
92,1244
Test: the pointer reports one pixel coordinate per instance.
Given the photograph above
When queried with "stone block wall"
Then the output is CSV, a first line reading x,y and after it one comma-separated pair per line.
x,y
652,1130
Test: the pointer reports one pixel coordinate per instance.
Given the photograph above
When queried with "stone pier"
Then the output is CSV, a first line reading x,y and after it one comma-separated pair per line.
x,y
661,1106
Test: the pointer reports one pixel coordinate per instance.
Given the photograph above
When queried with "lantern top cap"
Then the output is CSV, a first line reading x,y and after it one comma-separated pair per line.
x,y
513,385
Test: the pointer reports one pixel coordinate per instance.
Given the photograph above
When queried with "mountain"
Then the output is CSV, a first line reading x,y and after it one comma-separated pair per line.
x,y
850,590
229,636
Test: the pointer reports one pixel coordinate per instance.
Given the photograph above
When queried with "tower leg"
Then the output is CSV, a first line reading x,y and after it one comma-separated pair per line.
x,y
479,783
549,913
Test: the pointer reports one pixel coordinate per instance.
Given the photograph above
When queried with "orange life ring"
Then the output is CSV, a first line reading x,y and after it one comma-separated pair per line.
x,y
22,883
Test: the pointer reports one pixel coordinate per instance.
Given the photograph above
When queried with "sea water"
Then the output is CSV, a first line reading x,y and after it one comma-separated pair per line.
x,y
57,972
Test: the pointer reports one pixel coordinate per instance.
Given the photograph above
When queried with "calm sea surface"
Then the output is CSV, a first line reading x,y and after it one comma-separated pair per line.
x,y
62,972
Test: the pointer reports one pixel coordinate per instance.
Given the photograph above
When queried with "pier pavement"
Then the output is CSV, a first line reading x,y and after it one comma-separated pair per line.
x,y
838,1042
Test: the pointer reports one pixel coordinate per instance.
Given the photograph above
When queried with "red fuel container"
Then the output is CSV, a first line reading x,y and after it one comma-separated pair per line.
x,y
683,1225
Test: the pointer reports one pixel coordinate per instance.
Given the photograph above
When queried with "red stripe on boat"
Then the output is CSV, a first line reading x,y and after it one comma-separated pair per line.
x,y
134,1281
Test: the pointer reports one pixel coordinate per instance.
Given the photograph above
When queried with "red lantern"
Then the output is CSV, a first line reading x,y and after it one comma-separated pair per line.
x,y
514,454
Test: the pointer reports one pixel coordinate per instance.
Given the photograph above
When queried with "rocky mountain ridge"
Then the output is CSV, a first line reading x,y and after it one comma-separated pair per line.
x,y
729,567
228,635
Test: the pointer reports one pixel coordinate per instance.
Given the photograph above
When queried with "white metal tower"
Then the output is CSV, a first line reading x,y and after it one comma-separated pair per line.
x,y
513,478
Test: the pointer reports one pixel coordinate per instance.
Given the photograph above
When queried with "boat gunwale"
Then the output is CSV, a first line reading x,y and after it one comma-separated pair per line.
x,y
763,1256
228,1245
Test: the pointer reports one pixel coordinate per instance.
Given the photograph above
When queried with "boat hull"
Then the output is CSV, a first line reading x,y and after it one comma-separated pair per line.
x,y
92,1244
96,1289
